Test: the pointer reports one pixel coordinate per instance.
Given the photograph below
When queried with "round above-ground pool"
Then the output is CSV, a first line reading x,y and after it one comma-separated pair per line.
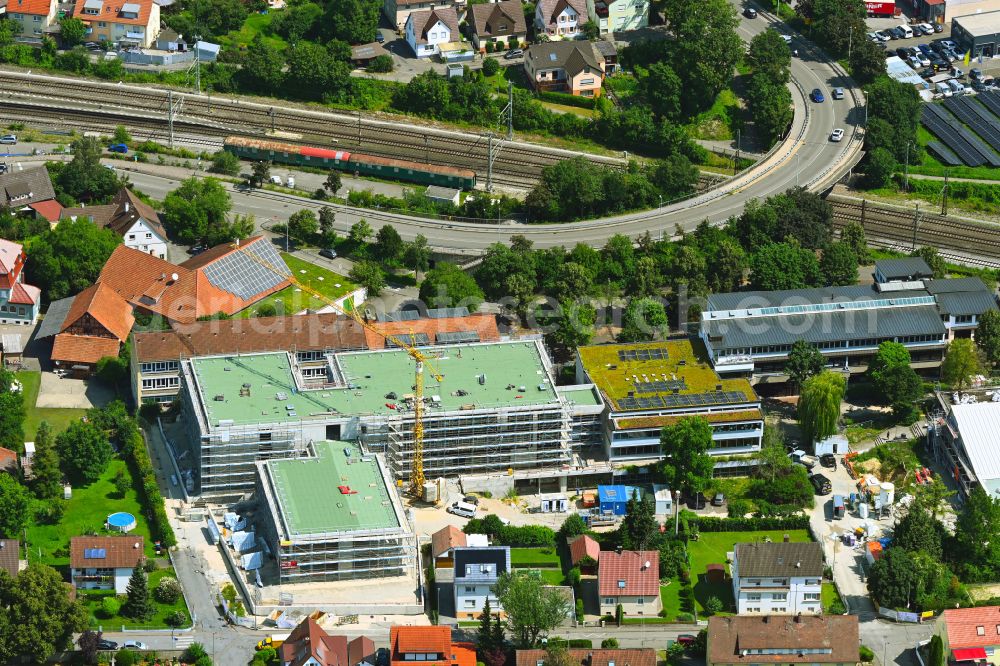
x,y
121,522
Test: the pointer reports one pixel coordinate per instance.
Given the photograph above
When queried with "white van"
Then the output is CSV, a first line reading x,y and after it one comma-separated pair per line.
x,y
463,509
956,87
942,88
907,31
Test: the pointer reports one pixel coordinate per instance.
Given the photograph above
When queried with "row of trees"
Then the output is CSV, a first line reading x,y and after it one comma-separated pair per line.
x,y
769,98
46,55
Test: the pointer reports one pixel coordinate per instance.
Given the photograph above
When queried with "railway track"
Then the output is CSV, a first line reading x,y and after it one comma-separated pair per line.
x,y
516,163
956,239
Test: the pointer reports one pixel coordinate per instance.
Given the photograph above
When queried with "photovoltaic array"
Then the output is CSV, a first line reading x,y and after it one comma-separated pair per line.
x,y
957,138
967,111
707,399
943,154
642,354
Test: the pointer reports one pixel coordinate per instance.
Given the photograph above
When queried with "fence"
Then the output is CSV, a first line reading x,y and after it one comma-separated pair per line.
x,y
133,58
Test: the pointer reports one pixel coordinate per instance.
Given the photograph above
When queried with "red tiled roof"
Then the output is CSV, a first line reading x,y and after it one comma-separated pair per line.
x,y
8,460
963,625
425,640
109,309
730,637
9,252
111,12
482,323
42,7
463,654
50,209
587,657
309,641
121,552
629,566
582,546
24,294
445,539
82,349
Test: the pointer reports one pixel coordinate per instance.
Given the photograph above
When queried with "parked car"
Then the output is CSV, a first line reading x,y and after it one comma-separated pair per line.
x,y
913,62
750,12
462,509
513,53
197,249
328,252
975,74
719,499
3,167
471,499
686,639
938,27
939,64
957,73
828,460
379,37
8,139
873,37
696,501
883,35
821,484
837,135
104,644
118,148
817,95
921,58
897,33
135,645
926,50
903,53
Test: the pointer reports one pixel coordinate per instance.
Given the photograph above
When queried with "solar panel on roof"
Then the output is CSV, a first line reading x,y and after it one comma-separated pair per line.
x,y
457,336
95,553
244,277
415,339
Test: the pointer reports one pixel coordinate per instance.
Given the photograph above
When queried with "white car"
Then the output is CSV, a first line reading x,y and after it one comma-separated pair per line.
x,y
135,645
836,135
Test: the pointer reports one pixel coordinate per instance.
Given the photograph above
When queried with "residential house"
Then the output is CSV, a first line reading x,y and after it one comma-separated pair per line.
x,y
134,23
310,645
129,217
10,556
609,52
98,322
618,15
397,11
23,191
35,17
830,640
560,19
8,461
777,578
592,657
19,301
584,552
499,23
104,562
443,543
971,635
571,67
428,646
426,31
363,54
631,579
476,572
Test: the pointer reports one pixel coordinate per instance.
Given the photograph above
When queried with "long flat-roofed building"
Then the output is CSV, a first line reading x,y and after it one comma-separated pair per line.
x,y
495,409
334,516
751,333
963,439
647,386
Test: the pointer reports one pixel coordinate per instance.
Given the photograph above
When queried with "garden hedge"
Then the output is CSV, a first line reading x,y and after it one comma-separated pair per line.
x,y
139,463
567,100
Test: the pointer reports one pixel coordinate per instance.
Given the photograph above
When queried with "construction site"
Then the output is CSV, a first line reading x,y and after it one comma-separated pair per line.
x,y
485,408
332,516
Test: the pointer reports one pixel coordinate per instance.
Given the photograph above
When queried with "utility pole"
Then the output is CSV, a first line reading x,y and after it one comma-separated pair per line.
x,y
850,42
736,159
906,169
170,116
271,113
944,195
510,110
864,203
489,163
197,64
916,222
359,128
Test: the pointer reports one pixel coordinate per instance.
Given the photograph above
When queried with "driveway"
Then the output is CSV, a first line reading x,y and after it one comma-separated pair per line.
x,y
63,392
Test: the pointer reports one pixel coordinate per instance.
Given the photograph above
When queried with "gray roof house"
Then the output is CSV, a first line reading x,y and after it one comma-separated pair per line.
x,y
904,269
22,188
499,20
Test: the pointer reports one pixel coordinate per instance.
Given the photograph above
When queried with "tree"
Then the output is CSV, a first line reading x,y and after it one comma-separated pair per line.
x,y
532,610
933,259
84,179
332,183
46,479
84,451
988,336
486,636
490,66
889,355
661,89
326,220
417,256
196,212
770,56
771,106
388,245
975,534
901,387
960,363
369,275
15,507
773,460
68,258
110,607
39,618
644,319
932,496
302,225
590,31
819,405
574,328
89,643
122,483
11,417
779,266
804,361
867,61
121,135
879,168
835,22
853,234
448,286
918,531
573,526
935,651
609,644
138,604
381,64
71,31
168,590
352,21
639,525
893,579
687,467
262,66
225,162
893,116
360,232
839,265
260,173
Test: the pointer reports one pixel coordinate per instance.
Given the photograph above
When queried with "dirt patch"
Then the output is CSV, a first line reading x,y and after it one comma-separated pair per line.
x,y
872,466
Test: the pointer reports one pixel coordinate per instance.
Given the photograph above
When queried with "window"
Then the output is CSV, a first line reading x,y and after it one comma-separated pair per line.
x,y
562,19
102,24
778,609
779,596
587,82
470,603
131,236
469,589
36,19
149,235
609,600
753,597
980,630
640,600
811,597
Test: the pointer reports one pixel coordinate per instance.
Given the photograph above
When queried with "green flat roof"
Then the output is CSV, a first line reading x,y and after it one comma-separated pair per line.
x,y
581,395
372,376
307,493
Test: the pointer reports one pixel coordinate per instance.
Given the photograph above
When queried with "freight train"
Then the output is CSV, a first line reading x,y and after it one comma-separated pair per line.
x,y
355,163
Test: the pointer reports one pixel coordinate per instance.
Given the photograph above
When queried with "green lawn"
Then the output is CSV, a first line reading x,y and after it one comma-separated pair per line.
x,y
534,557
92,601
58,419
931,167
85,513
255,24
828,595
718,122
670,596
547,576
291,299
711,548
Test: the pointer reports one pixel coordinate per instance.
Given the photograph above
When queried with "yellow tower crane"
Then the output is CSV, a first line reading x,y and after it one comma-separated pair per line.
x,y
419,358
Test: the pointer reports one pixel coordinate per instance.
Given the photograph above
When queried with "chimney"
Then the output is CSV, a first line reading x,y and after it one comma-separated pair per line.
x,y
798,565
786,538
645,565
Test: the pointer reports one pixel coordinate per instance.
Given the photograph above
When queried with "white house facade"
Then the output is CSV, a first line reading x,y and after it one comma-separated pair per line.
x,y
143,237
777,578
427,30
476,572
104,563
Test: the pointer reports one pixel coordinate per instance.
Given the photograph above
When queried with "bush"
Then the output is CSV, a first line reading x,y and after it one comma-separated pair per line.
x,y
579,610
110,607
177,619
193,653
50,512
380,64
567,99
685,617
126,658
713,605
865,654
609,643
739,507
168,591
152,501
490,66
708,524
